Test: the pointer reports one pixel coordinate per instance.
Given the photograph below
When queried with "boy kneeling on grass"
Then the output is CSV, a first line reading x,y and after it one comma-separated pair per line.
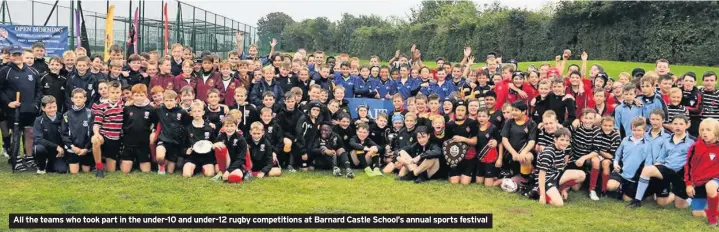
x,y
233,161
48,142
198,130
701,171
419,161
328,150
261,153
553,181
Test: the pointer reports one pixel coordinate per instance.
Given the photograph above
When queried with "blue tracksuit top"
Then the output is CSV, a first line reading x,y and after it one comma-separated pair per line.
x,y
348,83
674,155
651,103
364,88
623,116
407,89
632,155
384,88
444,90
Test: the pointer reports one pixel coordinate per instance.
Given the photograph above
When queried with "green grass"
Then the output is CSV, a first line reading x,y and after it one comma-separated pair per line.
x,y
319,192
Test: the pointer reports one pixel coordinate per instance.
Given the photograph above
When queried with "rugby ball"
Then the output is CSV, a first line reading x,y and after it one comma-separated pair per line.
x,y
508,185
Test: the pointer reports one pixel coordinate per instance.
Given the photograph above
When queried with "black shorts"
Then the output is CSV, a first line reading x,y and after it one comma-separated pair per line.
x,y
552,183
140,154
200,159
486,170
629,188
172,151
111,149
573,165
672,182
465,167
85,160
26,120
323,162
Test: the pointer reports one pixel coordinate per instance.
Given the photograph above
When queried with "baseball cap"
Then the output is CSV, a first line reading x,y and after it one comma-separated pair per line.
x,y
638,71
14,49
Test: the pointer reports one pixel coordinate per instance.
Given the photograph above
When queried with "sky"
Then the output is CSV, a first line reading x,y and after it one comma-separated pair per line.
x,y
249,11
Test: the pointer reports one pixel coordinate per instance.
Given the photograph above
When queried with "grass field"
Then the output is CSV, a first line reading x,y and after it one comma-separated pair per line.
x,y
319,192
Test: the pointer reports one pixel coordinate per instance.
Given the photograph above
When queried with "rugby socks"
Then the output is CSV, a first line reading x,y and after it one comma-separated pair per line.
x,y
234,179
605,180
362,161
221,157
567,185
593,175
642,187
711,211
375,161
99,165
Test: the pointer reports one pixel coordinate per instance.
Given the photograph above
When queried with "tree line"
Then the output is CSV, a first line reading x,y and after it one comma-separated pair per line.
x,y
641,31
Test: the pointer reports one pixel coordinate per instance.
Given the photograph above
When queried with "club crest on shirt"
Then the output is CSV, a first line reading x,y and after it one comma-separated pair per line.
x,y
29,77
147,114
486,135
47,86
234,142
410,139
262,147
207,135
222,117
467,129
712,155
345,138
89,87
84,123
691,102
526,130
131,113
179,116
269,130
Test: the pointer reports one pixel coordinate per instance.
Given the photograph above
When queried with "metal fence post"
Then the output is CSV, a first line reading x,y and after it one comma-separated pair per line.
x,y
72,23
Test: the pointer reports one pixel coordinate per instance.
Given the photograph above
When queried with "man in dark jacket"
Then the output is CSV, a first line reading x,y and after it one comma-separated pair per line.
x,y
20,89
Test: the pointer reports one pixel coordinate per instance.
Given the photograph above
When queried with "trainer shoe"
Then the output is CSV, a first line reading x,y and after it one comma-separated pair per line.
x,y
19,166
336,171
408,177
634,204
161,169
368,171
377,172
4,153
30,162
217,177
100,173
40,172
420,179
291,169
593,195
350,174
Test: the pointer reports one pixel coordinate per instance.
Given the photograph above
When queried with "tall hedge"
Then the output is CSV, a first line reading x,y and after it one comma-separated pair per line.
x,y
683,32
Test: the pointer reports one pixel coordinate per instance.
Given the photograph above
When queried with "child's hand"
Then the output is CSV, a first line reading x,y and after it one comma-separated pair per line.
x,y
498,163
126,73
584,56
212,125
617,168
690,191
219,145
492,143
575,123
189,151
83,152
60,151
522,94
274,42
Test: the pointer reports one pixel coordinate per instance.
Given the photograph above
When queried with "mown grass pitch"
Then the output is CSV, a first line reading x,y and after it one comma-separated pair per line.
x,y
319,192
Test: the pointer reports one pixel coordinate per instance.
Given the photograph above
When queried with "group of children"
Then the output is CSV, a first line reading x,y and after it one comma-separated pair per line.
x,y
254,117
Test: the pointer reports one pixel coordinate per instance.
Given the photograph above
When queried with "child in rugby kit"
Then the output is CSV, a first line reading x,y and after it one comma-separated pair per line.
x,y
633,153
139,119
345,130
702,170
675,107
186,78
307,130
215,112
48,147
274,133
53,84
172,120
419,161
363,116
668,169
286,119
391,136
250,113
107,130
583,152
606,144
328,151
261,153
463,130
363,150
233,161
627,111
227,84
198,130
76,133
376,134
518,137
553,181
487,148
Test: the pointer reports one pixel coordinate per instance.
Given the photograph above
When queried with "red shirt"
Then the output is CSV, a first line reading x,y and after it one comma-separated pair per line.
x,y
227,93
584,100
702,163
180,82
163,80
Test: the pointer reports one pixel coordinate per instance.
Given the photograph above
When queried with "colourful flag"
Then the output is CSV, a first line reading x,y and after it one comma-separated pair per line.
x,y
109,23
135,25
167,31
